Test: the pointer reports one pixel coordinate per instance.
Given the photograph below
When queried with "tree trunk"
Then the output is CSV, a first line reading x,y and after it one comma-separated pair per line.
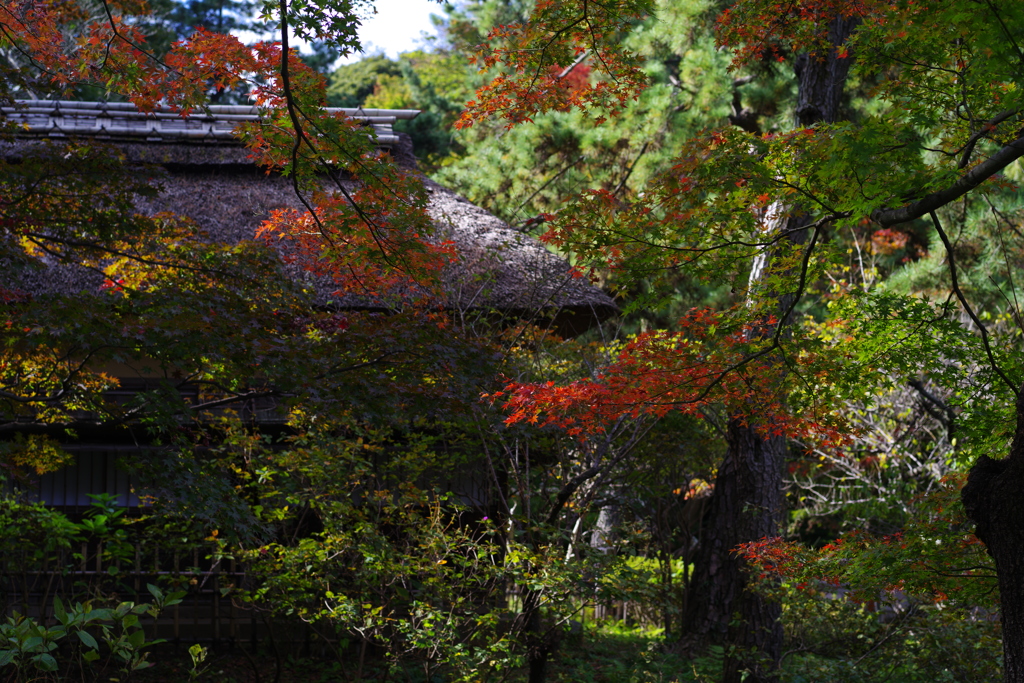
x,y
994,500
602,538
747,501
745,506
539,643
822,78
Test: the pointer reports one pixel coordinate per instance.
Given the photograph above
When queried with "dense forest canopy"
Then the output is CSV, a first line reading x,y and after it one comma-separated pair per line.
x,y
807,211
767,207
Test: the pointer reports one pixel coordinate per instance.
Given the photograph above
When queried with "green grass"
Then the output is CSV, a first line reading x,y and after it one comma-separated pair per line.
x,y
938,648
614,654
609,654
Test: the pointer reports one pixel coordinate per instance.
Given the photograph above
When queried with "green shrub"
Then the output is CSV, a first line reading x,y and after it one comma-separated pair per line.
x,y
84,642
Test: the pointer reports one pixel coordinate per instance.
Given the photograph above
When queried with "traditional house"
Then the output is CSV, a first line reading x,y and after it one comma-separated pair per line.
x,y
208,176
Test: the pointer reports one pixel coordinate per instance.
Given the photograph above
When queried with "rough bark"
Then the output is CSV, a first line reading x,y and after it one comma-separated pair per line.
x,y
994,500
822,78
964,184
540,643
747,501
602,538
746,505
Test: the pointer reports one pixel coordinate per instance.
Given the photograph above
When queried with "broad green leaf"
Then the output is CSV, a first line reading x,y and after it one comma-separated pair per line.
x,y
88,640
59,612
137,638
46,662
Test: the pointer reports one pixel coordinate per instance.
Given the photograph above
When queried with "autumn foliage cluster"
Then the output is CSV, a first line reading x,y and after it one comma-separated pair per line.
x,y
783,273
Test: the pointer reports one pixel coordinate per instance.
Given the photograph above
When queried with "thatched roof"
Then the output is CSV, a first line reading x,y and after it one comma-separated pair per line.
x,y
212,181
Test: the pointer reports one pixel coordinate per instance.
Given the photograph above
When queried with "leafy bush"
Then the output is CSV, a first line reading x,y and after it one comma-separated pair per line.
x,y
85,642
837,639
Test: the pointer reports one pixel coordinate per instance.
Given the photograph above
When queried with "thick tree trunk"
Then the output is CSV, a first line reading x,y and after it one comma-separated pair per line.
x,y
746,506
821,79
539,643
747,501
994,499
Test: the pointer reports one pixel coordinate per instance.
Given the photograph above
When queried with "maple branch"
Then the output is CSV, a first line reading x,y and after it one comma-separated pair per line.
x,y
970,180
41,241
537,316
967,307
357,366
214,403
493,470
1007,33
1009,270
964,569
113,27
594,42
293,112
964,576
629,171
968,148
924,323
892,631
548,182
744,118
115,34
802,283
938,403
776,339
570,487
65,381
12,42
354,159
300,137
579,60
701,251
776,342
228,400
554,37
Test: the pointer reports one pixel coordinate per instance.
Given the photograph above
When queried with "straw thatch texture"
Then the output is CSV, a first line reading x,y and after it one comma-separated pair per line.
x,y
499,269
503,269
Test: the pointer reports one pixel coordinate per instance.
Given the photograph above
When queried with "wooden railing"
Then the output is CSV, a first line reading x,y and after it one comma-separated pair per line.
x,y
206,615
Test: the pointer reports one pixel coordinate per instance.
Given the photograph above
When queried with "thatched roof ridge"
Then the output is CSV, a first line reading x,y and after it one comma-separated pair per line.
x,y
121,120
